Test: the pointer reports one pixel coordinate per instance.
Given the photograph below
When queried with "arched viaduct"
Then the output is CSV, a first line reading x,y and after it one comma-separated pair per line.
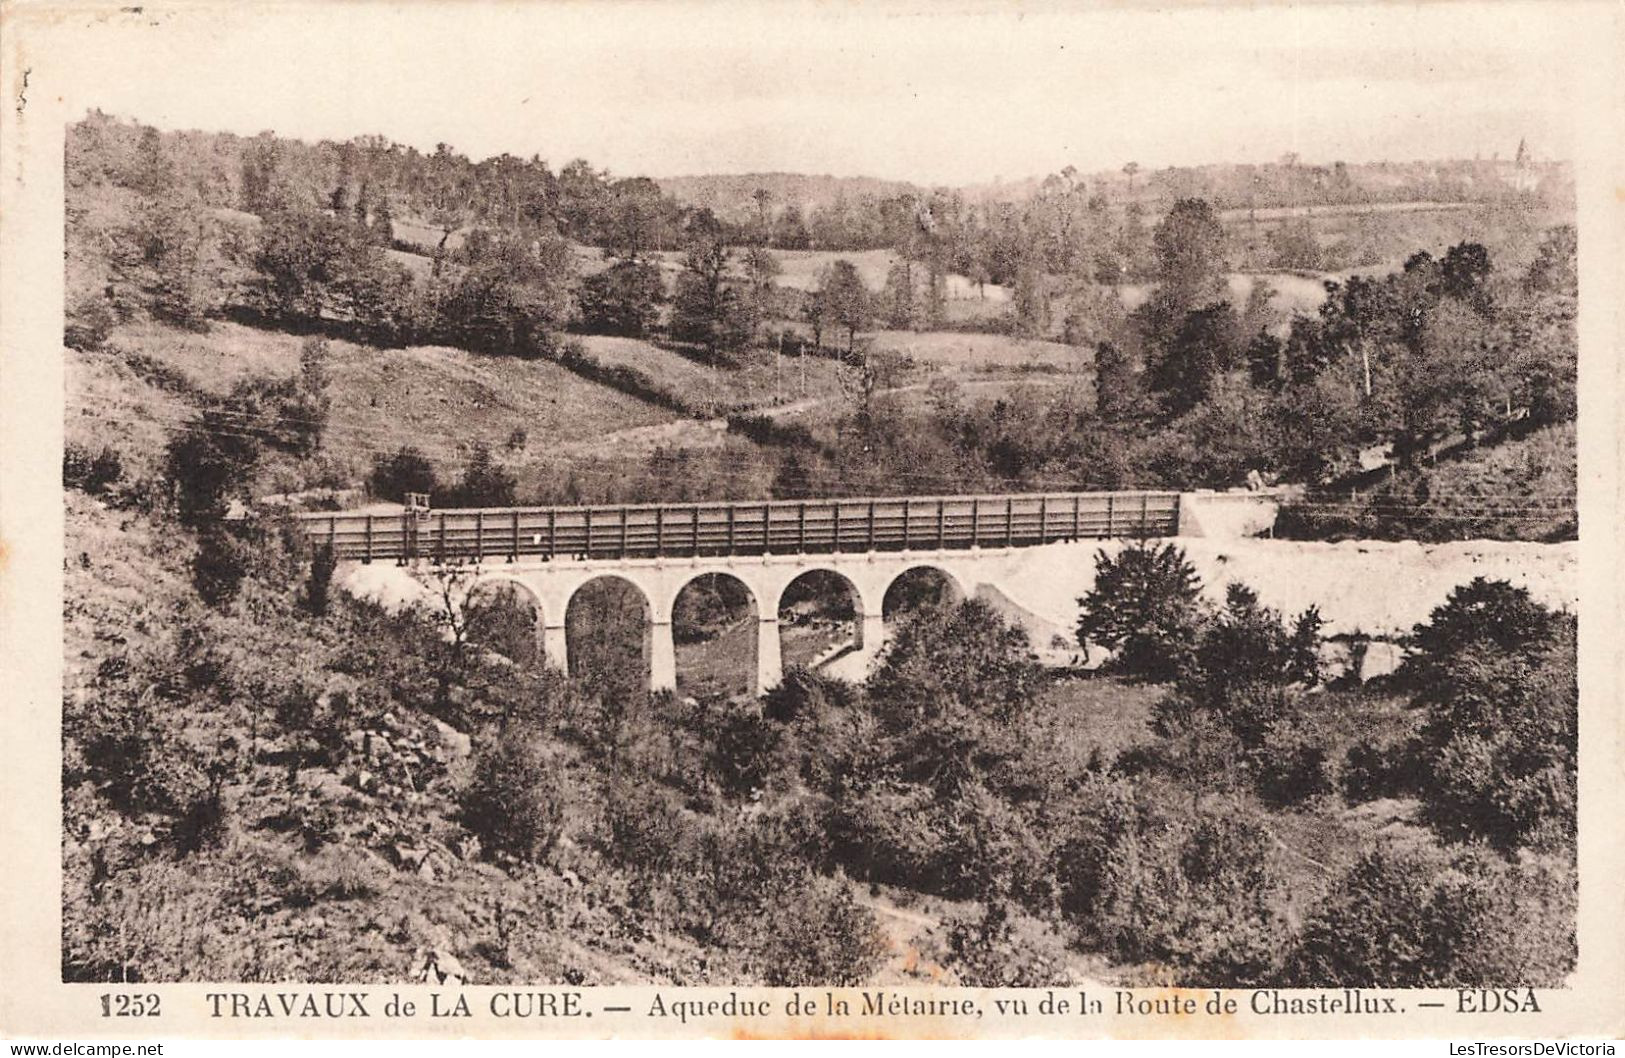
x,y
551,585
549,554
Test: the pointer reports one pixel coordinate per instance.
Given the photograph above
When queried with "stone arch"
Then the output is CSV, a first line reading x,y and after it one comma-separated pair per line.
x,y
491,625
822,617
715,625
920,584
609,633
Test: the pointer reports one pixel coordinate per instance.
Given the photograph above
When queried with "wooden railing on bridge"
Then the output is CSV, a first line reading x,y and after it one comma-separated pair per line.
x,y
683,530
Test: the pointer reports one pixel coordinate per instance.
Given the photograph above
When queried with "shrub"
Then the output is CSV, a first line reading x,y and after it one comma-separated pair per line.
x,y
1370,771
970,843
992,850
805,692
642,824
884,831
1002,947
91,473
504,620
1291,765
622,299
1496,676
964,656
814,932
405,470
89,321
319,584
514,803
1195,746
1192,890
221,563
1247,647
1422,919
1492,613
485,483
1143,606
744,746
169,921
1501,745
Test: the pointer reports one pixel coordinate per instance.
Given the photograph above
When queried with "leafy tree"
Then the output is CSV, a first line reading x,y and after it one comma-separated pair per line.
x,y
1031,301
1189,244
309,405
221,563
169,255
515,803
262,160
761,268
1500,745
208,463
315,268
1143,606
404,470
706,310
1464,272
512,293
897,299
1248,646
319,585
1293,247
634,218
842,301
1555,268
1204,346
1117,383
623,299
1496,675
1493,614
484,482
1544,364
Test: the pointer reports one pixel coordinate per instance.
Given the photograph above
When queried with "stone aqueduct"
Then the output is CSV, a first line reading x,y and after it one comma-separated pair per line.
x,y
550,587
550,553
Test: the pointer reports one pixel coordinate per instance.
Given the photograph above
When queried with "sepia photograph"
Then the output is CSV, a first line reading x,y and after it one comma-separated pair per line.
x,y
892,504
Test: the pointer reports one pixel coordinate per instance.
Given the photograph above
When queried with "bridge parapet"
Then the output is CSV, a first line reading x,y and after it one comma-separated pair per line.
x,y
688,530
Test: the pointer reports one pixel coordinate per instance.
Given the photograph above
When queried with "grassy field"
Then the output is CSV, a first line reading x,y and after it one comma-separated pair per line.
x,y
439,399
970,352
753,380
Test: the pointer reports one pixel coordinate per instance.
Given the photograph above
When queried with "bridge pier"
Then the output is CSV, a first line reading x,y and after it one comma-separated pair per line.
x,y
871,636
555,647
769,661
662,657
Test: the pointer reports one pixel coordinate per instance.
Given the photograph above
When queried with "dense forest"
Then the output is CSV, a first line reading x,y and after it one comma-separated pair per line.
x,y
267,778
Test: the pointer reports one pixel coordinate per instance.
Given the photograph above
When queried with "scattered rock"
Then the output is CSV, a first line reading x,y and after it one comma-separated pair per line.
x,y
456,743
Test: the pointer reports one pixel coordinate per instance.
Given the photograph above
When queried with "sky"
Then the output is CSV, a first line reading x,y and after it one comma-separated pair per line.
x,y
952,93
